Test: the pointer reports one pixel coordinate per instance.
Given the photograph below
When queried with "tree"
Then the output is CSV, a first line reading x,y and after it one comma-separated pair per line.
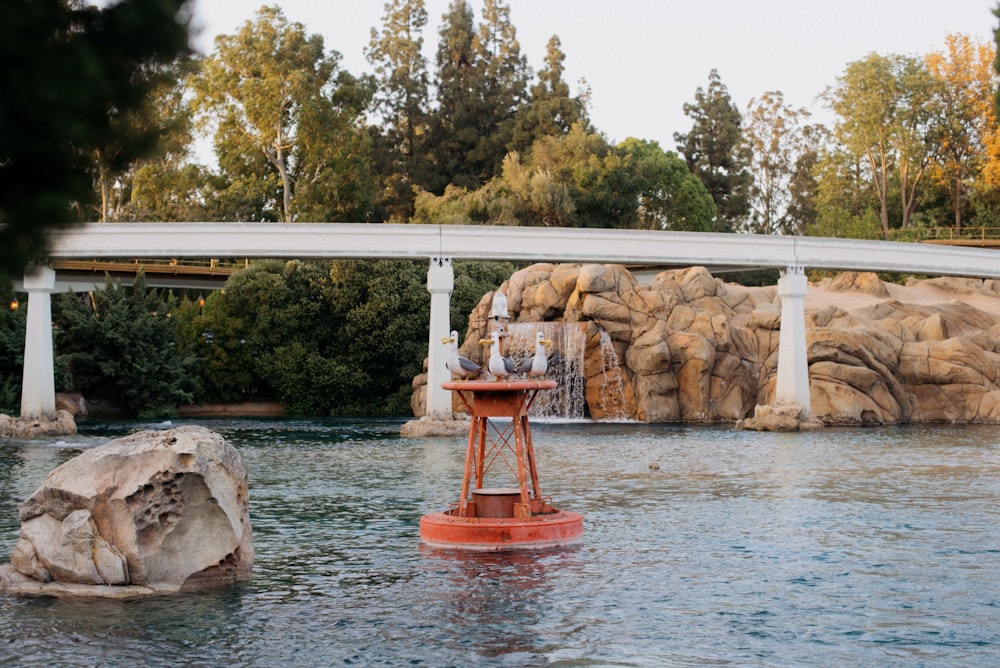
x,y
70,73
120,344
12,331
579,180
402,101
287,120
481,81
504,75
885,105
163,121
454,130
669,196
966,113
551,111
715,152
783,149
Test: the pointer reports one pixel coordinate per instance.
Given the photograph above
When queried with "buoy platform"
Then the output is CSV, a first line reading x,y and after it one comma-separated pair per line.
x,y
499,518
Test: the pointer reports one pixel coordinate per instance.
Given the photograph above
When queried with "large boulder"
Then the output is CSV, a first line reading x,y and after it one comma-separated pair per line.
x,y
156,511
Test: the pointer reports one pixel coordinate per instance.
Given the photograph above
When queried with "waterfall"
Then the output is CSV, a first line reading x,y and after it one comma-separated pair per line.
x,y
569,342
612,393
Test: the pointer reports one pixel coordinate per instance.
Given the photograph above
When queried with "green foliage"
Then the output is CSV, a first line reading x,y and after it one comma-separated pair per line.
x,y
481,80
399,146
579,180
887,120
12,329
340,338
287,134
70,73
119,343
715,152
550,111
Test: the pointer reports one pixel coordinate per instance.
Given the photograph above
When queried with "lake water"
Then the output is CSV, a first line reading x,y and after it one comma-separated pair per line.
x,y
844,547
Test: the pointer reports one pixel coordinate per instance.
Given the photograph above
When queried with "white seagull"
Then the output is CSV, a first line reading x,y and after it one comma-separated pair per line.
x,y
499,366
460,366
537,364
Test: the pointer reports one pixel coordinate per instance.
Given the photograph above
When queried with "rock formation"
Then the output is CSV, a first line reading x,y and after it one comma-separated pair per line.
x,y
693,348
157,511
61,424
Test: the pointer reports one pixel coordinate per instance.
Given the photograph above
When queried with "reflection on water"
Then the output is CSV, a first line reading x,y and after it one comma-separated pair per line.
x,y
846,546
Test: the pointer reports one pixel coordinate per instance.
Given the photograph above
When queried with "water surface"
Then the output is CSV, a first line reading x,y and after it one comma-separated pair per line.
x,y
840,547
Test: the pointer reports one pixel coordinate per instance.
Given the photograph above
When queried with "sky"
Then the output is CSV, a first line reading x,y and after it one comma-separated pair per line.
x,y
644,59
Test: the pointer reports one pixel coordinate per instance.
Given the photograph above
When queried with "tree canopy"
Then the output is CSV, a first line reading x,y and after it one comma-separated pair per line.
x,y
71,75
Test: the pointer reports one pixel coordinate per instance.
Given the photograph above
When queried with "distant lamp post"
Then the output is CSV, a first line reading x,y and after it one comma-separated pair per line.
x,y
201,301
14,304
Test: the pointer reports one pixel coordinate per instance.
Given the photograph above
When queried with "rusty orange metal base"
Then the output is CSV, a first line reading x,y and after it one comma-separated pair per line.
x,y
500,518
553,529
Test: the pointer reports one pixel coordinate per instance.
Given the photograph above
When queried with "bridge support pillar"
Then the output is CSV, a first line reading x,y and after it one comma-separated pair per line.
x,y
38,395
792,384
440,282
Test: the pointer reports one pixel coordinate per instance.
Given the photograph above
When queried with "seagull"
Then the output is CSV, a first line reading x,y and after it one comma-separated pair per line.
x,y
458,365
537,364
499,366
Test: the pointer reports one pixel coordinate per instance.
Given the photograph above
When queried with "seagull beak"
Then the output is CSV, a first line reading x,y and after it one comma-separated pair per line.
x,y
547,343
483,342
447,339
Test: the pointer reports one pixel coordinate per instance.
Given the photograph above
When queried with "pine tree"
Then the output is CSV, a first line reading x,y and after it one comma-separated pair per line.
x,y
402,102
551,111
715,152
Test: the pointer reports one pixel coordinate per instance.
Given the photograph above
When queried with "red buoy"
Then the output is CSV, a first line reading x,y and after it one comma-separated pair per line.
x,y
496,518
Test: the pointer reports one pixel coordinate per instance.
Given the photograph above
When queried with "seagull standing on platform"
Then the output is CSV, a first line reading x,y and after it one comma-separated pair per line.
x,y
499,365
459,366
537,364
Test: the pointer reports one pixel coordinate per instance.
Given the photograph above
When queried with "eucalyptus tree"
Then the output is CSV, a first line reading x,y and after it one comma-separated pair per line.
x,y
125,185
886,115
967,117
287,121
783,147
70,72
402,102
715,152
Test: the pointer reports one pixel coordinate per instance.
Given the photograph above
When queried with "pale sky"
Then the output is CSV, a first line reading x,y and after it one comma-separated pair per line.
x,y
643,59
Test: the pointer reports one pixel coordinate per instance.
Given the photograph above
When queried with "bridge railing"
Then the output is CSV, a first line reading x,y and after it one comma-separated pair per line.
x,y
172,266
945,234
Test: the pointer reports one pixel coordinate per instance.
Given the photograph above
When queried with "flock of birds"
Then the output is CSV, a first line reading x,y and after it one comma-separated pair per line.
x,y
498,365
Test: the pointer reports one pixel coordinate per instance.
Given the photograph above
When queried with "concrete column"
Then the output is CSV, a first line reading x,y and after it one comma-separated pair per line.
x,y
38,394
440,282
793,364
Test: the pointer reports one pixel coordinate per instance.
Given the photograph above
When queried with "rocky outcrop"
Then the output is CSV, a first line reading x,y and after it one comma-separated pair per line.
x,y
60,424
690,347
157,511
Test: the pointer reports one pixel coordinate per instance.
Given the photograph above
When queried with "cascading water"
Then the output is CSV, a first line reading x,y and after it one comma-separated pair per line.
x,y
611,396
569,343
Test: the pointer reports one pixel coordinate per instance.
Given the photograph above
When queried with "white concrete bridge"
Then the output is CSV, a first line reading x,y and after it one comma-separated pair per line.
x,y
441,244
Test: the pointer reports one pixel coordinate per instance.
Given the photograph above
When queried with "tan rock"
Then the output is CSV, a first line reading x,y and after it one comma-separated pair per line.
x,y
650,353
864,282
596,278
765,316
165,509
